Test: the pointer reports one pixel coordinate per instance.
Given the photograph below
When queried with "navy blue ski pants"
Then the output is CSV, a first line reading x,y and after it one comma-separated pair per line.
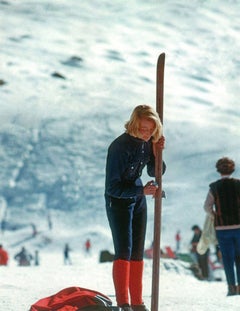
x,y
127,219
229,243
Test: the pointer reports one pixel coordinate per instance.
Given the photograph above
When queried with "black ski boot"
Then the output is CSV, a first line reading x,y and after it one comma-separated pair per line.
x,y
232,290
126,307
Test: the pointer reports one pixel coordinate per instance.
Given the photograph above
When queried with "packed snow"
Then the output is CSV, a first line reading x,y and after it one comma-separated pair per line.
x,y
77,69
22,286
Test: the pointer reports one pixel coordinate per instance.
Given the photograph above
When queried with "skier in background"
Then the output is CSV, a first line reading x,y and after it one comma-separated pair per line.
x,y
178,240
36,258
126,202
23,257
223,203
67,259
34,229
88,245
3,224
3,256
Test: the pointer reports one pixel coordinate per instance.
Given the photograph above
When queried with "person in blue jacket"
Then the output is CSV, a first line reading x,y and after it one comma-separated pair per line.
x,y
126,202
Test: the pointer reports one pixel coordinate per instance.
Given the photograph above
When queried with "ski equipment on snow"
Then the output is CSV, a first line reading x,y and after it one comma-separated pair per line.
x,y
158,197
74,299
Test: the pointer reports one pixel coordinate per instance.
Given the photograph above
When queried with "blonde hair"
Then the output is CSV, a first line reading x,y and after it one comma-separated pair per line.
x,y
144,112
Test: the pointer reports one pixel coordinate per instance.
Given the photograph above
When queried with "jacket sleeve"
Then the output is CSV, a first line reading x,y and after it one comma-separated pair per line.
x,y
151,165
116,186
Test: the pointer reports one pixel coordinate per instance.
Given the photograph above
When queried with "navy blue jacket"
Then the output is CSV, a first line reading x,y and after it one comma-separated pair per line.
x,y
127,156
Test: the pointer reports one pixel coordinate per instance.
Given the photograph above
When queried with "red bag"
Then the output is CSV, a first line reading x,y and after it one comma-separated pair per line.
x,y
73,299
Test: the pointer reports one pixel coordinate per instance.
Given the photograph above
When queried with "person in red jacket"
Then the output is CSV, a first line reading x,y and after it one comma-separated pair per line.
x,y
87,245
3,256
126,204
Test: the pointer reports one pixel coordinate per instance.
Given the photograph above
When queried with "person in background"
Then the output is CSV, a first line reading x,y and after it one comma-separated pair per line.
x,y
3,224
66,256
88,245
126,202
223,203
3,256
34,230
36,258
23,257
201,260
178,240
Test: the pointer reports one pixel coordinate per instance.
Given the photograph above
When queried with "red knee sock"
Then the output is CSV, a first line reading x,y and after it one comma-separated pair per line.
x,y
121,270
135,282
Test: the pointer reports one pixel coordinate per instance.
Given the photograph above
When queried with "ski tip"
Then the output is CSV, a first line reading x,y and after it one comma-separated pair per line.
x,y
161,57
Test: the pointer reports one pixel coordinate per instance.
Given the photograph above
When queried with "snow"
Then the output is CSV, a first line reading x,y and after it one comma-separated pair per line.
x,y
107,53
22,286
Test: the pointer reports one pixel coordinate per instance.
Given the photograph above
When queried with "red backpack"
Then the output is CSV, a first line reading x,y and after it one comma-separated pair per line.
x,y
74,299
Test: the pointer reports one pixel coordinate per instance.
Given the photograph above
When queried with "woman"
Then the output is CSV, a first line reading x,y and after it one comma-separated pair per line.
x,y
126,203
223,202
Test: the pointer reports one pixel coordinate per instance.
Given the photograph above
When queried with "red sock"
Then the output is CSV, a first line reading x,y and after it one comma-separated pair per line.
x,y
135,282
121,270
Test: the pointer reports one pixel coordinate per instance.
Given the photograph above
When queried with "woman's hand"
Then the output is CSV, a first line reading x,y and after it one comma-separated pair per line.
x,y
160,144
150,188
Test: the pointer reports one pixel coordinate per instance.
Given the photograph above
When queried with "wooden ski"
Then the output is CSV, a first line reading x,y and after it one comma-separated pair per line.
x,y
158,197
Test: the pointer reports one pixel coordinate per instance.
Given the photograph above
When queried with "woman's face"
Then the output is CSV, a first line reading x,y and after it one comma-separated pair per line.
x,y
146,129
